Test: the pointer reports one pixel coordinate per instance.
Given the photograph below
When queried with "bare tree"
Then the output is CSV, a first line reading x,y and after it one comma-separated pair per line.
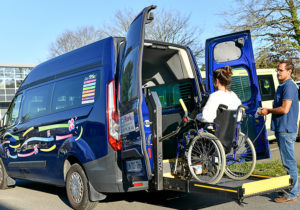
x,y
70,40
167,27
171,27
274,23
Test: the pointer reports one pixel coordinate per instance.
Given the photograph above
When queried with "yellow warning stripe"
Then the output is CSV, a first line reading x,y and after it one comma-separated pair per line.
x,y
215,188
266,185
262,176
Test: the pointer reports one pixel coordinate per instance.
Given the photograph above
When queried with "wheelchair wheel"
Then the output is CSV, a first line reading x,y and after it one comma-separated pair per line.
x,y
241,161
206,158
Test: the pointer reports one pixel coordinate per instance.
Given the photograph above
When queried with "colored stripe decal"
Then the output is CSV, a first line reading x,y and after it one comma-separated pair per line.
x,y
27,131
16,146
88,91
38,139
50,149
49,127
215,188
89,81
63,137
9,134
89,94
5,142
88,98
89,88
88,101
90,84
81,130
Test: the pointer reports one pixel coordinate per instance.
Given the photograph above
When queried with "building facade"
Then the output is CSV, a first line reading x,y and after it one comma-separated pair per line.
x,y
11,77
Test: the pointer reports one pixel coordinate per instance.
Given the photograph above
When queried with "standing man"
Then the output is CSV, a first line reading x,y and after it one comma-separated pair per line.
x,y
284,122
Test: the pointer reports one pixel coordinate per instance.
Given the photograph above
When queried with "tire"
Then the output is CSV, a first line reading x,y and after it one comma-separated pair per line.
x,y
3,176
206,151
77,188
237,168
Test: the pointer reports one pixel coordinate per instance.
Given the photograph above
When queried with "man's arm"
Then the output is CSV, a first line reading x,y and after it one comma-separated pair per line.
x,y
283,109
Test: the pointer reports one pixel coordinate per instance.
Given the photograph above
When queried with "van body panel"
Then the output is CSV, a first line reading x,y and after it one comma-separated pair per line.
x,y
235,50
48,138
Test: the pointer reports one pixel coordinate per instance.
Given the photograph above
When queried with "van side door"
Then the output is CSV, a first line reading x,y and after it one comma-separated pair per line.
x,y
10,136
134,155
235,50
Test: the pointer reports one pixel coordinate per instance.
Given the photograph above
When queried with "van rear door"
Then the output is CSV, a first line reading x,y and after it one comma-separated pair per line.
x,y
235,50
134,155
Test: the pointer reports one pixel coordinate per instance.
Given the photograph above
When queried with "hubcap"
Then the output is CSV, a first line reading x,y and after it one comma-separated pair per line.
x,y
76,187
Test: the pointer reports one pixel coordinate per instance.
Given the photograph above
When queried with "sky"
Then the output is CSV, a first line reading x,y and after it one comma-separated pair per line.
x,y
28,27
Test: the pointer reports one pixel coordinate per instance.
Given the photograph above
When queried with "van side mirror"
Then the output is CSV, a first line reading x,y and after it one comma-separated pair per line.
x,y
3,121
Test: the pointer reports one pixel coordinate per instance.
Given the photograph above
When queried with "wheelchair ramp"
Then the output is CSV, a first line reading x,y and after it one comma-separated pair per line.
x,y
236,190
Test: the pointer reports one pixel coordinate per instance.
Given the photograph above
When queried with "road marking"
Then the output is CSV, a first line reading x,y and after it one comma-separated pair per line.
x,y
274,149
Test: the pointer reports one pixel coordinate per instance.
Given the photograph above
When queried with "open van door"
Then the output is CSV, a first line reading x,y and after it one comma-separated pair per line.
x,y
236,50
134,154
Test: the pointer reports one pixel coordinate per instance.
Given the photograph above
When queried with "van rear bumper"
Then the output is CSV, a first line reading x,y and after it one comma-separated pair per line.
x,y
105,173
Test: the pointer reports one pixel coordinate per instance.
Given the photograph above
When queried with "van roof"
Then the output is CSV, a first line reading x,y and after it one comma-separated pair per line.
x,y
87,57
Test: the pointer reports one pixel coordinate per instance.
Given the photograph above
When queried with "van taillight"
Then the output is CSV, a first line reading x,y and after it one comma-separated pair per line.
x,y
114,138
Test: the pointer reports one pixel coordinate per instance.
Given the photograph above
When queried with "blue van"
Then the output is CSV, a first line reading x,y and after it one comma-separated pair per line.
x,y
81,120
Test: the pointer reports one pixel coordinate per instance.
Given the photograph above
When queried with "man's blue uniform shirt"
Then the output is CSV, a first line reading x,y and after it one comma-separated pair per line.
x,y
286,123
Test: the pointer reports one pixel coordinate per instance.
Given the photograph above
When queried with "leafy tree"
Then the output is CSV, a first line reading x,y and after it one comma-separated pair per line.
x,y
274,24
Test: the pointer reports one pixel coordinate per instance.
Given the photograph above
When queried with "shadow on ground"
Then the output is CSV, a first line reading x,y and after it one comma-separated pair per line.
x,y
167,199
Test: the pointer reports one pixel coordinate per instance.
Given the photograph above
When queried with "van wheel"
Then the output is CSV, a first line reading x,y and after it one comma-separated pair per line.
x,y
3,176
77,188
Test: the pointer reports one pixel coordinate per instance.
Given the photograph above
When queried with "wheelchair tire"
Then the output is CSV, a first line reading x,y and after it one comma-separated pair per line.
x,y
206,158
242,166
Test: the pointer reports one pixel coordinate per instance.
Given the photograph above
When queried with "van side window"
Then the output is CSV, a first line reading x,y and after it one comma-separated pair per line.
x,y
37,102
240,84
266,86
67,94
129,89
13,111
74,92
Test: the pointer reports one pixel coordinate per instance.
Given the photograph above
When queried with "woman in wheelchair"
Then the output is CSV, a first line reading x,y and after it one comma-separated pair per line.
x,y
222,110
221,80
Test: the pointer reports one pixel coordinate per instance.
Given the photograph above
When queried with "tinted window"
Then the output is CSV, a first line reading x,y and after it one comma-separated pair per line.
x,y
75,92
13,111
129,87
227,51
266,86
240,84
169,95
37,102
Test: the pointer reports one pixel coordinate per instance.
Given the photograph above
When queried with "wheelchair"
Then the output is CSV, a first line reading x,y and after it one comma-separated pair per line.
x,y
207,151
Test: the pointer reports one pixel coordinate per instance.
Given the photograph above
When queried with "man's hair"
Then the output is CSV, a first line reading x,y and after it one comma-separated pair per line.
x,y
288,64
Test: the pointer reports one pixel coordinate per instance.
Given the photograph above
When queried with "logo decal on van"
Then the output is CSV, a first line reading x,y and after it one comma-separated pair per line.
x,y
30,142
88,90
127,123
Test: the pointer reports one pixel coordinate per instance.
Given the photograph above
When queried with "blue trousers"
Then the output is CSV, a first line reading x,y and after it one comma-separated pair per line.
x,y
286,146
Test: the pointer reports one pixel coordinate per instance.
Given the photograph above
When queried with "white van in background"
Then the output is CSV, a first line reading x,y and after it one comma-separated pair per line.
x,y
268,83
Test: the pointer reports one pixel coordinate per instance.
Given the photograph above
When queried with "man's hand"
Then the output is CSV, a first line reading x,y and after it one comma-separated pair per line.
x,y
264,111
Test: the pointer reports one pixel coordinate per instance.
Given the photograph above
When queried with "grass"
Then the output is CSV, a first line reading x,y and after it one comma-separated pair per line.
x,y
273,168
